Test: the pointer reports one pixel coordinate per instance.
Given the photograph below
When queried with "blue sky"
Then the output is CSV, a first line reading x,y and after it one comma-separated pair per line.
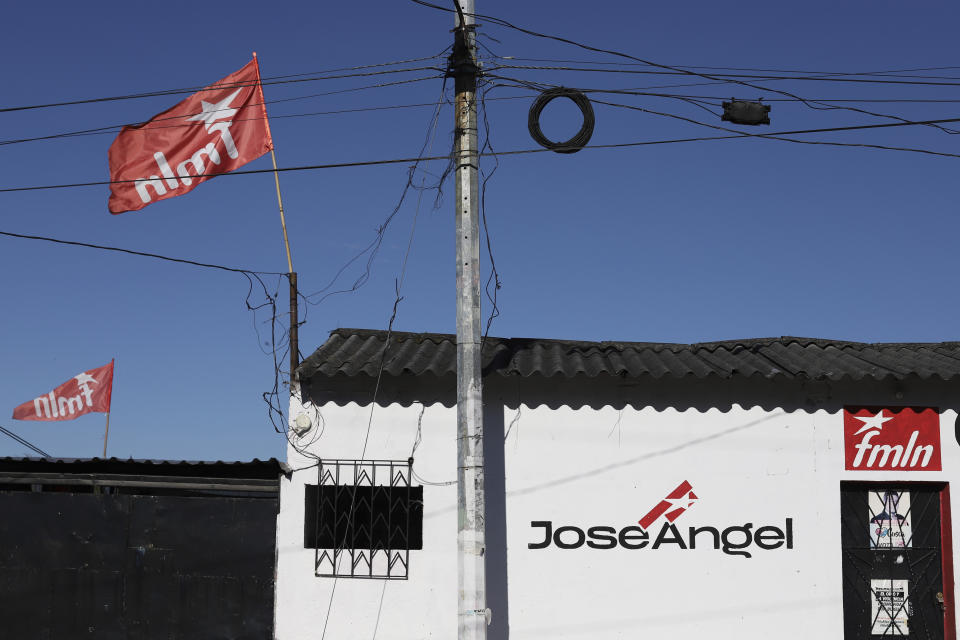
x,y
681,242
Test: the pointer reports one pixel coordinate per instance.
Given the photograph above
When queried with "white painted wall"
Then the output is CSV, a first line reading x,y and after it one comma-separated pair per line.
x,y
422,607
588,467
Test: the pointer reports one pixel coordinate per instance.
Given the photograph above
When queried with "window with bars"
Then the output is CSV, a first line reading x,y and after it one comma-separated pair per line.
x,y
894,565
363,518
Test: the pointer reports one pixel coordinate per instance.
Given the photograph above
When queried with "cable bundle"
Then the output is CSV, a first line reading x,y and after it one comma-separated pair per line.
x,y
582,137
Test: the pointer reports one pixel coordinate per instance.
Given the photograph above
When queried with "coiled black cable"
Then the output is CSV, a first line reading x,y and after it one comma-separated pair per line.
x,y
581,138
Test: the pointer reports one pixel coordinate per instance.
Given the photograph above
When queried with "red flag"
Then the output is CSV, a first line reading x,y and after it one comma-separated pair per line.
x,y
216,130
83,393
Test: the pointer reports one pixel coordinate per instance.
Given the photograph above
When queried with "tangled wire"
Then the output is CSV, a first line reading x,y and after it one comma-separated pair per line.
x,y
581,138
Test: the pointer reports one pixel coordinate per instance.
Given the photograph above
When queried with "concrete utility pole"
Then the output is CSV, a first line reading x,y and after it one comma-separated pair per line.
x,y
472,614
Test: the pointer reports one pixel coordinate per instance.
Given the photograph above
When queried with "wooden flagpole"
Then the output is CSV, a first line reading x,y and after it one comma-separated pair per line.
x,y
276,174
294,324
106,430
283,221
106,434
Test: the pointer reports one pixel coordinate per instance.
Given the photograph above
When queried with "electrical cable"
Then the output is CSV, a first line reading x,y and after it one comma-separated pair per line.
x,y
111,129
824,105
418,438
516,418
832,73
376,624
637,92
778,135
288,79
644,143
880,73
688,99
236,173
494,278
428,144
580,139
689,66
373,248
250,275
369,163
34,448
494,283
398,286
883,73
724,76
640,91
138,253
504,23
274,412
437,56
805,101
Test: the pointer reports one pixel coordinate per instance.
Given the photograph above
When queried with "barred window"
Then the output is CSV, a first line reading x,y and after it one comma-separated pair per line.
x,y
363,518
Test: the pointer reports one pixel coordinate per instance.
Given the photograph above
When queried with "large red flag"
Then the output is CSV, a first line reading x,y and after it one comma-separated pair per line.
x,y
83,393
216,130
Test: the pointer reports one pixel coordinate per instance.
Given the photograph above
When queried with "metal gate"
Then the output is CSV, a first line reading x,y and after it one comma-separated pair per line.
x,y
893,535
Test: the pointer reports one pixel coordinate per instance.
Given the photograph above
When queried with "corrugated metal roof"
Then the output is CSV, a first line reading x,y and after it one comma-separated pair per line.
x,y
255,468
354,352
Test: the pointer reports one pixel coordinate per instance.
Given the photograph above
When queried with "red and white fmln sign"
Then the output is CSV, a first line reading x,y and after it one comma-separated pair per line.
x,y
897,439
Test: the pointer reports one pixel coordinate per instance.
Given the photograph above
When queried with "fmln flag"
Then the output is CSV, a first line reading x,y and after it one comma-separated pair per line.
x,y
216,130
85,392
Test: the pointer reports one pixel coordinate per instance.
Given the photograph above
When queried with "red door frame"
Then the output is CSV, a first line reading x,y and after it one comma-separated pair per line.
x,y
946,544
946,553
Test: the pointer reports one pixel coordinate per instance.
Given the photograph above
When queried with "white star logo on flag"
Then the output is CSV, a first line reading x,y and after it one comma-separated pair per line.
x,y
84,378
213,111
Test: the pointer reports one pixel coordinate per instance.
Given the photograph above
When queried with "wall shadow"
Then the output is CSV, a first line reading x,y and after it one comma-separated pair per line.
x,y
496,522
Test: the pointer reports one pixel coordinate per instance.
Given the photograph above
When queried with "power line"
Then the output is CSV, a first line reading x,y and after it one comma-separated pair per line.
x,y
846,73
370,163
215,87
335,165
738,135
364,66
111,129
856,100
805,71
25,443
778,135
352,89
806,101
139,253
620,54
639,91
115,128
728,76
373,248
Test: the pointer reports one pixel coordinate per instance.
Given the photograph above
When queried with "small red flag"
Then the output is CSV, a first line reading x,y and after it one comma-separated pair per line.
x,y
216,130
83,393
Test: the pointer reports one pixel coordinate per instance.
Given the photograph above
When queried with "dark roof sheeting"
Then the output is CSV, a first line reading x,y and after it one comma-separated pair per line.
x,y
354,352
256,468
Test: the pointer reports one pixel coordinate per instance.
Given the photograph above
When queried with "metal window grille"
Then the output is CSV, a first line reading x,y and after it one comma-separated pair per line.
x,y
363,518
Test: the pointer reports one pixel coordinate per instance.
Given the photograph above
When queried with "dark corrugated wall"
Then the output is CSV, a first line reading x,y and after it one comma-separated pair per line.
x,y
75,565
